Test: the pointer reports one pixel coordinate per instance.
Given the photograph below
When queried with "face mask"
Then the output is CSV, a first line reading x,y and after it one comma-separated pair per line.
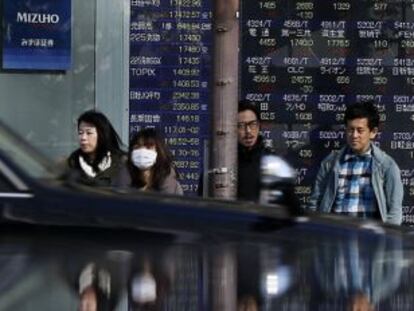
x,y
144,288
143,158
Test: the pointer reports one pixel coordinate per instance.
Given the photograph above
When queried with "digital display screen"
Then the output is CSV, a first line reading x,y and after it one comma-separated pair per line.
x,y
170,65
303,62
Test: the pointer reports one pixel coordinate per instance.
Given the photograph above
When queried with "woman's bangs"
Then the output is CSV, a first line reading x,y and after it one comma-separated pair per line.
x,y
147,142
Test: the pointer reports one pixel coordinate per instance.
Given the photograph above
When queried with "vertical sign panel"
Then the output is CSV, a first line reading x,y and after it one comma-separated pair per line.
x,y
37,34
304,61
170,47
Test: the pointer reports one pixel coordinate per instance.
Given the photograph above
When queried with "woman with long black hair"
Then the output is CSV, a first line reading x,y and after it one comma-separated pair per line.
x,y
99,158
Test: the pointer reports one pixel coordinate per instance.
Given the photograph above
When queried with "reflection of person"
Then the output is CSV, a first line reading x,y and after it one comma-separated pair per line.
x,y
251,147
150,164
94,289
360,302
143,289
360,179
360,269
88,300
247,303
150,284
99,157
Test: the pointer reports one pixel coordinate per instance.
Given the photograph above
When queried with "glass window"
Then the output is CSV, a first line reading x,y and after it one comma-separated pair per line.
x,y
24,156
5,185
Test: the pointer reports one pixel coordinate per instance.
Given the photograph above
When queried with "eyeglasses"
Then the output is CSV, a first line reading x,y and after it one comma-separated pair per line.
x,y
252,125
359,131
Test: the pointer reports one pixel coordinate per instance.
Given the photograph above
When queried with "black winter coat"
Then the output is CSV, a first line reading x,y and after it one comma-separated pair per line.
x,y
248,181
106,178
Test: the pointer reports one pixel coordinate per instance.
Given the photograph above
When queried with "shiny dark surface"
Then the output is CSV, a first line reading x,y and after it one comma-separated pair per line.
x,y
69,247
306,266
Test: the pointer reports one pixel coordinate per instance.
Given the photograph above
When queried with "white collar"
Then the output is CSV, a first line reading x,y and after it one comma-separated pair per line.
x,y
88,169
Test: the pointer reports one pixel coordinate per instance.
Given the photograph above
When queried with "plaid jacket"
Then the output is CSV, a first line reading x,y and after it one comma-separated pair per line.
x,y
385,179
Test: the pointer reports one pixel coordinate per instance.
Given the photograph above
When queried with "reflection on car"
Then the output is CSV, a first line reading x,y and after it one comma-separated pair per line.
x,y
67,246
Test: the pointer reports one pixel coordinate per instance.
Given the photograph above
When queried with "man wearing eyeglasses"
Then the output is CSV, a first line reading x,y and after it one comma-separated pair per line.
x,y
360,180
250,150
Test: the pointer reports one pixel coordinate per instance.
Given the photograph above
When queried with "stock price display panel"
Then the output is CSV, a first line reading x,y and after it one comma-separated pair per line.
x,y
169,72
304,61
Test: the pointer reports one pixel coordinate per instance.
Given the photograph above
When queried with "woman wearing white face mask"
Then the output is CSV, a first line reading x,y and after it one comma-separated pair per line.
x,y
150,164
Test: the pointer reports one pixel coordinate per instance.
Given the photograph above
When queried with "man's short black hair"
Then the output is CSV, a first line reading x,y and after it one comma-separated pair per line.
x,y
246,105
363,110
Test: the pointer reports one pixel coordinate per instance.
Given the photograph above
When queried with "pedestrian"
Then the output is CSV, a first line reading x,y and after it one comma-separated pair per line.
x,y
360,179
150,164
99,158
251,148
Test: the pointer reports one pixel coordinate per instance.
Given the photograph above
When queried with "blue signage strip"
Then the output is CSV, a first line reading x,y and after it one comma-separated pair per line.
x,y
37,34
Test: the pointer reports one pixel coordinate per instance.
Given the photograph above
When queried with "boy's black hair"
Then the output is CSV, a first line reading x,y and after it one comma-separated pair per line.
x,y
363,110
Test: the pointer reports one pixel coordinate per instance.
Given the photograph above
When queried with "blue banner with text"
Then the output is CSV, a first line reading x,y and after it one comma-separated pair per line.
x,y
37,34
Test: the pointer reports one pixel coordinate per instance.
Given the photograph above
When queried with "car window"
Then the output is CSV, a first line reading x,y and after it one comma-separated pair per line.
x,y
5,185
24,156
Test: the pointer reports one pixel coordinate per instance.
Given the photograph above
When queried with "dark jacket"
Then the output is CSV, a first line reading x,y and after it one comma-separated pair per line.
x,y
106,178
248,186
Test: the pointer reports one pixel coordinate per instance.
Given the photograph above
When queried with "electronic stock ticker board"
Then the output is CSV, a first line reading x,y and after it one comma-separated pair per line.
x,y
301,63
